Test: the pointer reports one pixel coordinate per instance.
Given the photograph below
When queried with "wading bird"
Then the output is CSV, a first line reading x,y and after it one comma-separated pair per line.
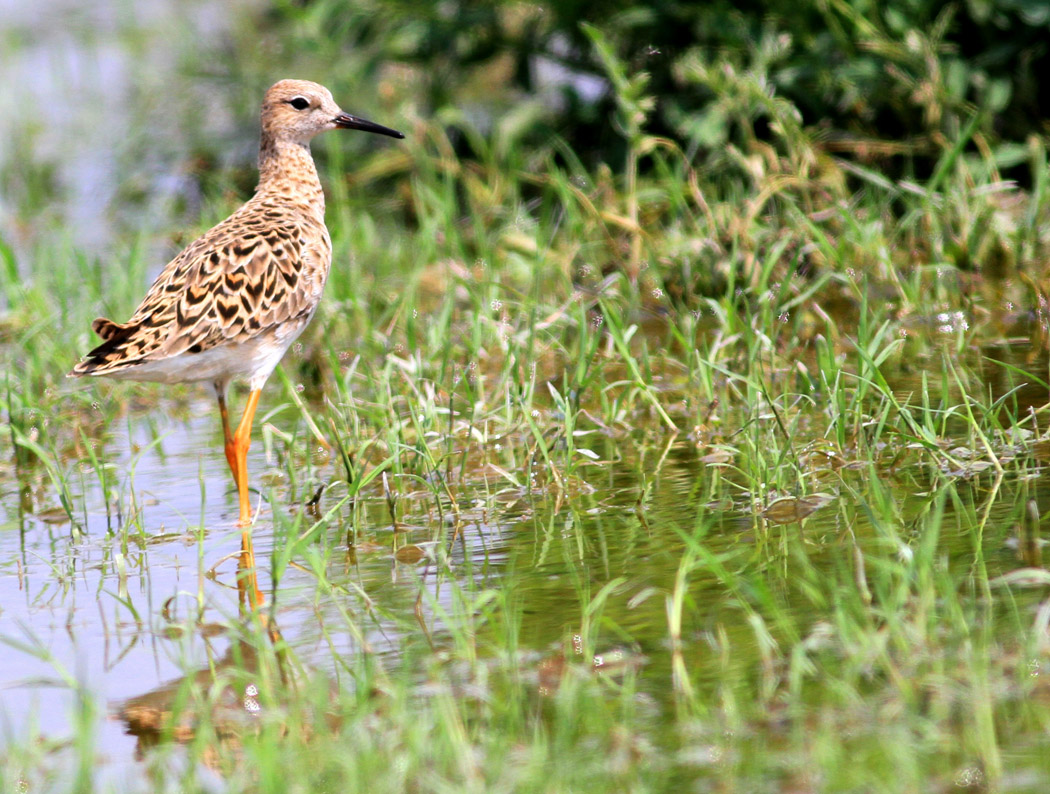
x,y
230,304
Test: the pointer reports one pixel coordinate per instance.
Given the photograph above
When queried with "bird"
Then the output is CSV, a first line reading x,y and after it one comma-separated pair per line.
x,y
229,305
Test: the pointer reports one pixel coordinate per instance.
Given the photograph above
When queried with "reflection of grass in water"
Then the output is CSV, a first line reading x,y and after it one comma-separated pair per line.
x,y
506,345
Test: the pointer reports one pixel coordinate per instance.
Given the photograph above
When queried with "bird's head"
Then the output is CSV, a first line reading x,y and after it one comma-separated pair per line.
x,y
297,110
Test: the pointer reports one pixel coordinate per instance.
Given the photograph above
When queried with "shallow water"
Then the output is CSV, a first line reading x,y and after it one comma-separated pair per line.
x,y
117,622
127,636
124,621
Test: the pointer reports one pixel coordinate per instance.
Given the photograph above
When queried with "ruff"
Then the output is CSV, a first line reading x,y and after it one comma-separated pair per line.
x,y
230,304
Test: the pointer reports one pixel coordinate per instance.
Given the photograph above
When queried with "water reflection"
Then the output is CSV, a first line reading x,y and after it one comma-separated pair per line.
x,y
153,579
234,683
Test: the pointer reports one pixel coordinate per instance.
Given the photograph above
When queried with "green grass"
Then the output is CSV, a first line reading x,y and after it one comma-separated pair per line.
x,y
717,465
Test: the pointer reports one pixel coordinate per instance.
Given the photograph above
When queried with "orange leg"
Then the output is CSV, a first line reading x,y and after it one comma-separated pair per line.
x,y
236,446
247,583
231,458
242,439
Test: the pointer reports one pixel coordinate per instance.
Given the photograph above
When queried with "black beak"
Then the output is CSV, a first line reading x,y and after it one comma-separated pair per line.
x,y
347,122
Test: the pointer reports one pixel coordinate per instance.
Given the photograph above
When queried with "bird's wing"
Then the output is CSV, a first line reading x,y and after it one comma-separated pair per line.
x,y
253,271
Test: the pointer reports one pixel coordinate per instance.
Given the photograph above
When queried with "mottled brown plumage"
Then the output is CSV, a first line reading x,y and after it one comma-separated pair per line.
x,y
254,280
230,304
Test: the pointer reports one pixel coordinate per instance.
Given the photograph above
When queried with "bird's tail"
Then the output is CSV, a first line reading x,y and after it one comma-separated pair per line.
x,y
106,357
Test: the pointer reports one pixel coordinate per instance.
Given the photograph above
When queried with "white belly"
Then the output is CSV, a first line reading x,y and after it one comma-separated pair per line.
x,y
252,361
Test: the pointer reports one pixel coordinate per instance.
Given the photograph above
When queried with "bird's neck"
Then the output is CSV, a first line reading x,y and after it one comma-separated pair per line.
x,y
287,172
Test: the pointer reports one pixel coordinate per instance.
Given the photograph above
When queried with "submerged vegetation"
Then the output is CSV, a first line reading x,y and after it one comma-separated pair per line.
x,y
672,420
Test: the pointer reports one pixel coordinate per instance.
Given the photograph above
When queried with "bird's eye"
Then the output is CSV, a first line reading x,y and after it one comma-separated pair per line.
x,y
299,102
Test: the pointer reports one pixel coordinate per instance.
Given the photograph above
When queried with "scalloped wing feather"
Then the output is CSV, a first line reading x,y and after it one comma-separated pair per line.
x,y
260,269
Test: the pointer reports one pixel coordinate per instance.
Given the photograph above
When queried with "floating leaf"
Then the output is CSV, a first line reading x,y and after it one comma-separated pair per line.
x,y
367,547
789,508
410,554
719,457
54,515
1041,450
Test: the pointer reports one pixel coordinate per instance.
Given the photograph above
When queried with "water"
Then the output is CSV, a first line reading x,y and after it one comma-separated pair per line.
x,y
123,623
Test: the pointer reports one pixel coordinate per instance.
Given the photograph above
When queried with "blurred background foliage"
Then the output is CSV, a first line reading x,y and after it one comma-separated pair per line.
x,y
698,140
868,78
